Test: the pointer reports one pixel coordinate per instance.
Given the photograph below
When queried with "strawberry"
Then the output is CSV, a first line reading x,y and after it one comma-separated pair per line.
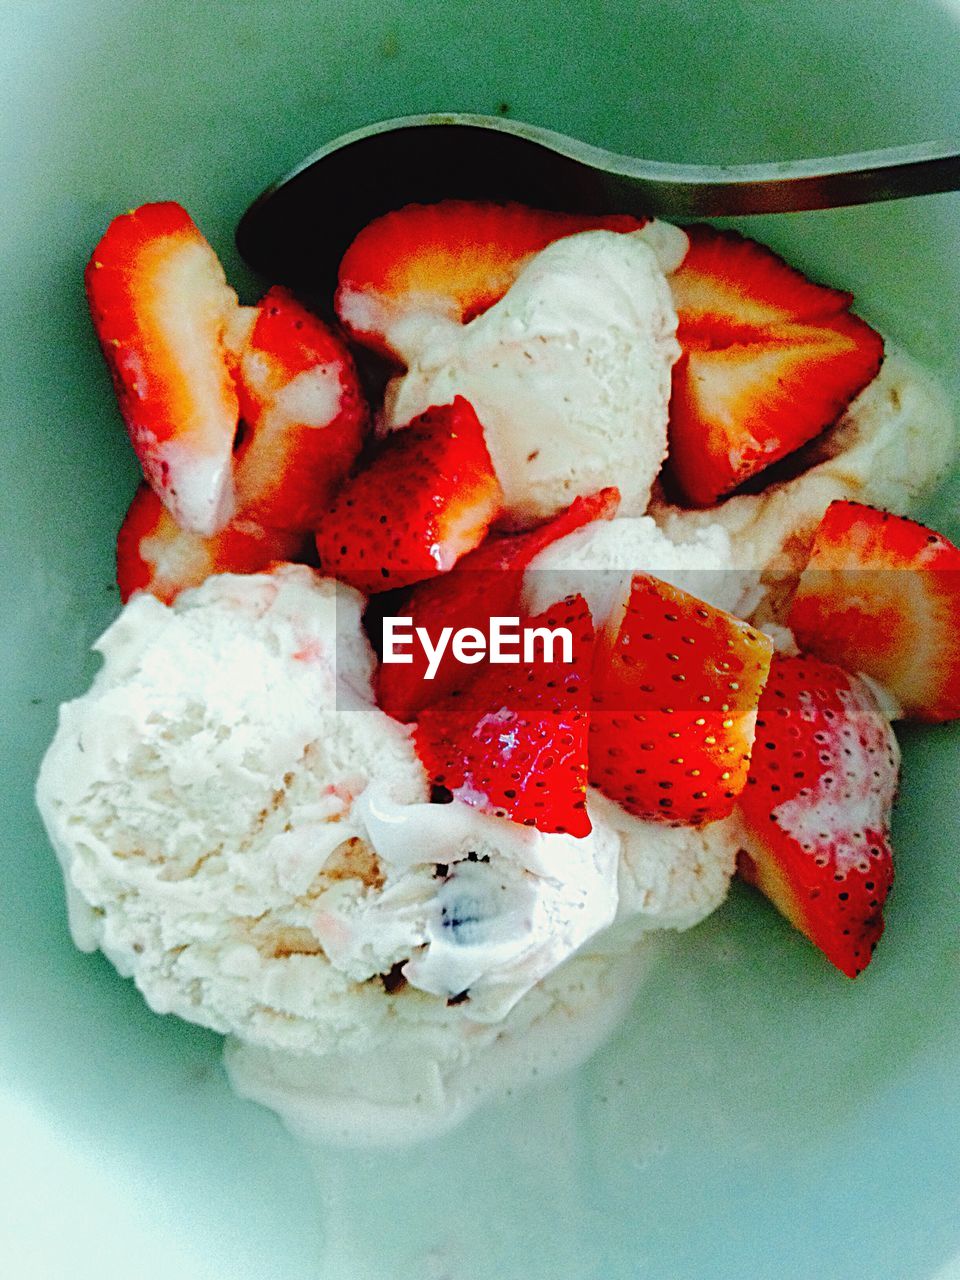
x,y
728,281
881,595
514,743
453,259
816,808
161,308
676,684
770,360
426,499
486,583
154,554
303,415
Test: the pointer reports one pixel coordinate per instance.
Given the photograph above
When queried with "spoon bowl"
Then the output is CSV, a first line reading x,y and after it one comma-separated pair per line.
x,y
298,229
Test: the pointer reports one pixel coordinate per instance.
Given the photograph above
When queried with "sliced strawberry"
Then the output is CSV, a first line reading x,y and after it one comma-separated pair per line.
x,y
485,584
161,308
736,409
728,282
881,595
514,743
453,259
816,809
676,684
154,554
303,413
769,361
426,499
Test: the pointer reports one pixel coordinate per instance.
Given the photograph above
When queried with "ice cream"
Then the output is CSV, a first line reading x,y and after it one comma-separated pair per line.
x,y
243,832
211,729
600,559
569,373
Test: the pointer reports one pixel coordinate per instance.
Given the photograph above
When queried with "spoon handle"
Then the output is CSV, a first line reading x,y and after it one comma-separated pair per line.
x,y
786,186
694,190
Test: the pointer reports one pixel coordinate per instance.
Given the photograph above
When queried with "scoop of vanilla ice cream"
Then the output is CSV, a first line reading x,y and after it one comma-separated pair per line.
x,y
215,730
599,560
893,444
569,372
247,835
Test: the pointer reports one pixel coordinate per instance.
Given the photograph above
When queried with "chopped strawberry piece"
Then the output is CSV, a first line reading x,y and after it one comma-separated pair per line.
x,y
514,743
425,500
485,584
161,308
453,259
769,361
881,595
676,684
816,808
303,415
154,554
728,281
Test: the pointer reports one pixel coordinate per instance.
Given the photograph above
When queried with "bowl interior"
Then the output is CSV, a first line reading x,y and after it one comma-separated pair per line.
x,y
755,1106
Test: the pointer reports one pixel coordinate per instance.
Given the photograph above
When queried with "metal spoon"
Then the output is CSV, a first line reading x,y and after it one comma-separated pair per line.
x,y
299,228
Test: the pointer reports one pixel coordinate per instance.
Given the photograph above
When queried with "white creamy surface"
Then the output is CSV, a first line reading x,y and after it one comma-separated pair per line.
x,y
599,560
213,802
569,372
245,834
429,1075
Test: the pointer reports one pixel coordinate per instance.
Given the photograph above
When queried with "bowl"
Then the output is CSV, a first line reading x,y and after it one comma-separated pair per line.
x,y
757,1114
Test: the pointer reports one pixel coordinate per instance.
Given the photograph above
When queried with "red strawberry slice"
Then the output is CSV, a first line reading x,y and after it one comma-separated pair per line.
x,y
154,554
676,684
769,360
453,259
303,413
426,499
881,595
728,281
161,308
485,584
816,809
514,743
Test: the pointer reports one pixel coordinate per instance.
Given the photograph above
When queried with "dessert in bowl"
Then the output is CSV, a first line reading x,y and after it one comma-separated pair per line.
x,y
755,1103
401,885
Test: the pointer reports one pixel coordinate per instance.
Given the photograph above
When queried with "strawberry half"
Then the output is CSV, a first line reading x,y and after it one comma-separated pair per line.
x,y
453,260
154,554
485,584
676,684
426,499
161,308
816,808
770,360
514,743
303,415
881,595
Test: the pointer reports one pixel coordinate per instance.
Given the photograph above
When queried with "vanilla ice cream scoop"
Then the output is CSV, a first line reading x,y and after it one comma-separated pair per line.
x,y
199,795
249,837
599,561
227,799
569,372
